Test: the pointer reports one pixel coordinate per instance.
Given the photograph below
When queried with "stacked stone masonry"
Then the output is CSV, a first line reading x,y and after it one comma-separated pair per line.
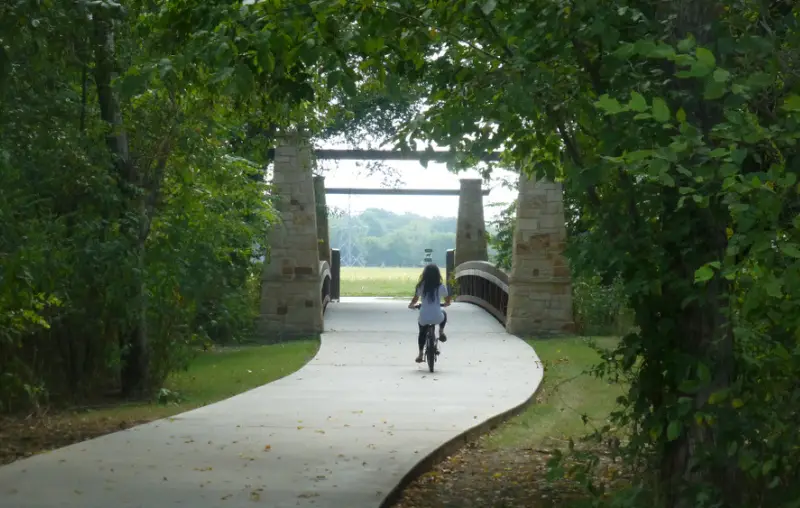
x,y
291,306
540,289
470,226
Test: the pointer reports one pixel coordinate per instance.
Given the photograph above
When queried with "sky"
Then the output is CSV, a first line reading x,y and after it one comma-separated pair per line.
x,y
409,174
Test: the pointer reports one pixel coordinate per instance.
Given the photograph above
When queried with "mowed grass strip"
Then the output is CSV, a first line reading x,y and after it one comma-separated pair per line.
x,y
567,394
212,376
379,281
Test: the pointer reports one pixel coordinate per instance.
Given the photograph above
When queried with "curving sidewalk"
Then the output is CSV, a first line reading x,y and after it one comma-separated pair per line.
x,y
342,432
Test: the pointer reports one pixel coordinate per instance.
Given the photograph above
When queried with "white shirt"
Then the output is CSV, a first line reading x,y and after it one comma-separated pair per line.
x,y
430,312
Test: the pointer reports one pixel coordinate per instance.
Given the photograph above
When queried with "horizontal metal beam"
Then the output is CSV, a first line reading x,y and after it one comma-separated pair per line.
x,y
390,155
395,192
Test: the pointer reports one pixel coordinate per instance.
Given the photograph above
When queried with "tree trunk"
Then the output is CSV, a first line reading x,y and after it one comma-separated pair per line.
x,y
133,339
704,332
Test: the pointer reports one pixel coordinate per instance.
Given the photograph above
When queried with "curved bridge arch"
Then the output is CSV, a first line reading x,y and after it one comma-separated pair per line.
x,y
483,284
325,284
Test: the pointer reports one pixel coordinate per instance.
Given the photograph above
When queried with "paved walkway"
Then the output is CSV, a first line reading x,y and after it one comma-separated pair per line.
x,y
339,433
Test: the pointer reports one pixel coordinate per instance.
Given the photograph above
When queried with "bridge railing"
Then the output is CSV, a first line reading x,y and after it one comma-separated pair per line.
x,y
483,284
336,270
325,283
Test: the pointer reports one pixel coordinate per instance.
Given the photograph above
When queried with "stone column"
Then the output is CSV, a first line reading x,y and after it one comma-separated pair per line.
x,y
471,228
291,305
323,231
540,286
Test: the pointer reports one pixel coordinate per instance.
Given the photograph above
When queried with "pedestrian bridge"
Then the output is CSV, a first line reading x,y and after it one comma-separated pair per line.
x,y
301,275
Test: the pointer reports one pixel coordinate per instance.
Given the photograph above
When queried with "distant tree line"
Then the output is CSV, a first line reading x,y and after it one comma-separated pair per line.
x,y
378,237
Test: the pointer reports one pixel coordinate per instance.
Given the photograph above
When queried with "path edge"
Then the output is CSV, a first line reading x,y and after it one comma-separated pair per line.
x,y
456,443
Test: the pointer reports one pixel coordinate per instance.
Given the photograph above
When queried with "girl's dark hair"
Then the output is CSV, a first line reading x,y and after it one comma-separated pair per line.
x,y
430,280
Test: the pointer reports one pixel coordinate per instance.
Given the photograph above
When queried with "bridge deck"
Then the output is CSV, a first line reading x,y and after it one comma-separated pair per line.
x,y
341,432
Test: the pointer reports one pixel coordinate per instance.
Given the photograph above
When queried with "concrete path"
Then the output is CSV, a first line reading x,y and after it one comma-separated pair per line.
x,y
339,433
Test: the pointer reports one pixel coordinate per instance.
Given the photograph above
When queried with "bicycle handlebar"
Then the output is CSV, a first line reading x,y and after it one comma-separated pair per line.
x,y
417,306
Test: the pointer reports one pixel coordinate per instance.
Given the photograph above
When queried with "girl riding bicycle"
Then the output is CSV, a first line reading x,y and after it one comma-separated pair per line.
x,y
430,289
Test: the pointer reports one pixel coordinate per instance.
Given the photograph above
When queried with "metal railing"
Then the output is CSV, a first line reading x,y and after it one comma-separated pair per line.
x,y
325,283
336,270
483,284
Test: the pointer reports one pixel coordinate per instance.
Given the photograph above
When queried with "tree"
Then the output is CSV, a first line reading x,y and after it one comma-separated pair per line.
x,y
132,198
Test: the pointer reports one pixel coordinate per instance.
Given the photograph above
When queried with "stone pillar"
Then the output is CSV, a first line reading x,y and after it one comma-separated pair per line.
x,y
291,305
540,286
323,232
471,228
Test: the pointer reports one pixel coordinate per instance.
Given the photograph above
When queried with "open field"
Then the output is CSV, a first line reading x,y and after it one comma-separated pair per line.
x,y
377,281
212,376
508,467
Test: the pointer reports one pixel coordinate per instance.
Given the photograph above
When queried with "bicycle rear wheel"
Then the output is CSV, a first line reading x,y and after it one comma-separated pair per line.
x,y
430,349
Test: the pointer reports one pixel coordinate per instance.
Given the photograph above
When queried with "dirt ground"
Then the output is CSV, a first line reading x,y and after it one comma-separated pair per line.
x,y
22,437
481,477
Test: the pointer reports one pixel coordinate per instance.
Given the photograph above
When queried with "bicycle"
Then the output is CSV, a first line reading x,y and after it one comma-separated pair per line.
x,y
431,343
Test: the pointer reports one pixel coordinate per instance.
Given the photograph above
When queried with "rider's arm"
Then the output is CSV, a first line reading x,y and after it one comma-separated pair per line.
x,y
447,300
413,302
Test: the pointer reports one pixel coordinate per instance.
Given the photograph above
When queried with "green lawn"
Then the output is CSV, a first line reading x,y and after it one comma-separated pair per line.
x,y
216,375
376,281
567,392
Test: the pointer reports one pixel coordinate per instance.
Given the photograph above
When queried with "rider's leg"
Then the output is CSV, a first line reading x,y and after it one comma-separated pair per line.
x,y
421,342
442,336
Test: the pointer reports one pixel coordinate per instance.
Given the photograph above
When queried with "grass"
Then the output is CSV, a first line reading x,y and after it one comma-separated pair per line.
x,y
217,375
212,376
377,281
566,394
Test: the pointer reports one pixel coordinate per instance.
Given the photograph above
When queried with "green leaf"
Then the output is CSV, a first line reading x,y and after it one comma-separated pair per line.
x,y
681,115
673,430
714,90
773,288
737,403
134,84
791,250
703,374
760,80
718,396
660,110
348,85
791,103
686,44
625,51
706,57
662,51
703,274
222,75
658,166
638,102
243,79
489,6
667,179
608,104
721,75
699,70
